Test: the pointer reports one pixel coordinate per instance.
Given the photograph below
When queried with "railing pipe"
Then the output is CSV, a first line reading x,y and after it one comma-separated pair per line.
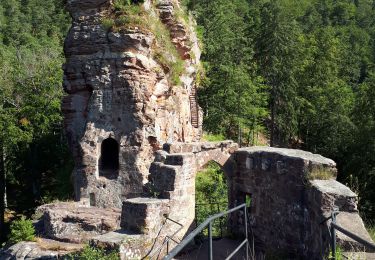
x,y
167,238
365,243
333,236
246,235
334,227
210,253
199,229
236,250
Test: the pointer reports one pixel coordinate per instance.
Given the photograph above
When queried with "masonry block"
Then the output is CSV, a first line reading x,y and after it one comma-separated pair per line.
x,y
144,215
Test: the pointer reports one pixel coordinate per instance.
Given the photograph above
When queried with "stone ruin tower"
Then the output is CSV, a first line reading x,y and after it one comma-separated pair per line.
x,y
121,104
134,129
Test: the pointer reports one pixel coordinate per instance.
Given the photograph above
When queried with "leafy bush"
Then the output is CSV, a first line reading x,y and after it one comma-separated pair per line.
x,y
213,137
108,23
22,230
338,255
91,253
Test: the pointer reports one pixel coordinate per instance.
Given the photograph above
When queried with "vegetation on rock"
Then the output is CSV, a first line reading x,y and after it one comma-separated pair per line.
x,y
21,230
91,253
131,14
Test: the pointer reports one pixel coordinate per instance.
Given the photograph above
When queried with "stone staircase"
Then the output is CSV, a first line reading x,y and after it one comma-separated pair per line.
x,y
194,107
144,225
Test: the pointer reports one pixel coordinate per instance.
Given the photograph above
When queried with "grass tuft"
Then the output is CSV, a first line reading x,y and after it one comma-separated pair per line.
x,y
371,231
321,174
213,137
129,14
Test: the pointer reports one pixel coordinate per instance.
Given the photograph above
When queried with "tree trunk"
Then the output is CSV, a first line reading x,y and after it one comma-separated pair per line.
x,y
2,193
272,137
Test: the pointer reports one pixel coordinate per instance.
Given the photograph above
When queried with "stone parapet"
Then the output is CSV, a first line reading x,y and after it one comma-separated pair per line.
x,y
287,205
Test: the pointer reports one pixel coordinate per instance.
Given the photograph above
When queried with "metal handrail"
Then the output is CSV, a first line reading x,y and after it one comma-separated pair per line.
x,y
217,204
208,222
334,227
168,238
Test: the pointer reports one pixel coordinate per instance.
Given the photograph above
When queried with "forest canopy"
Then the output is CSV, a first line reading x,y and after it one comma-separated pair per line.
x,y
286,73
299,73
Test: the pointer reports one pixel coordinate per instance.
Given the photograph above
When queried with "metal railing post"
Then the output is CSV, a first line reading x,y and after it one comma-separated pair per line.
x,y
200,228
333,236
246,235
210,255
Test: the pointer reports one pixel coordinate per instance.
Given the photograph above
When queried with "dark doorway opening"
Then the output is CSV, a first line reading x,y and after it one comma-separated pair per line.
x,y
109,159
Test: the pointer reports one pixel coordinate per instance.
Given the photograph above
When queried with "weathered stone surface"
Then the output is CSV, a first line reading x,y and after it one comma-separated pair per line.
x,y
42,249
359,256
290,153
72,222
352,222
334,195
287,209
116,89
324,197
144,215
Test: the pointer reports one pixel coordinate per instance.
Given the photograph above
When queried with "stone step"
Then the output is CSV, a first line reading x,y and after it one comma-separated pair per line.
x,y
130,246
359,256
194,108
178,158
144,215
164,177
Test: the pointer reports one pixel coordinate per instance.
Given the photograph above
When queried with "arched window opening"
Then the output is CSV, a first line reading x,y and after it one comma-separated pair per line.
x,y
211,197
109,158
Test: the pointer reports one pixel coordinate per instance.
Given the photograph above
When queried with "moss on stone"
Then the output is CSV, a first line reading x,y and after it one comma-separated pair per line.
x,y
130,15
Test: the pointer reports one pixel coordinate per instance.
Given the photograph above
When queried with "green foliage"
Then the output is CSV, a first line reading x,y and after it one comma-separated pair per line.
x,y
232,96
132,14
371,231
213,138
31,135
91,253
338,255
165,52
21,230
211,195
108,23
301,72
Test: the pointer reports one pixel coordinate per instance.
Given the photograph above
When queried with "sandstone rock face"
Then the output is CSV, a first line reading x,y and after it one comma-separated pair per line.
x,y
42,249
118,91
74,223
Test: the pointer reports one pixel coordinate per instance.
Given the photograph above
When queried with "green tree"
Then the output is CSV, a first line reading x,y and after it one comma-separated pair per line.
x,y
277,53
232,96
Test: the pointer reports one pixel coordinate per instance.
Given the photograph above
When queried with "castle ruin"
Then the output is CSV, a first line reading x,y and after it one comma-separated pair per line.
x,y
135,135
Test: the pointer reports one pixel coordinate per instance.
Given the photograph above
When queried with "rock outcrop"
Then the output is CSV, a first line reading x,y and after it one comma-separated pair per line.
x,y
121,85
41,249
72,222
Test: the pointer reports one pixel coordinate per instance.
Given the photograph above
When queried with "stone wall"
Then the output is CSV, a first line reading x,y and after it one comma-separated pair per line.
x,y
287,207
172,191
117,89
